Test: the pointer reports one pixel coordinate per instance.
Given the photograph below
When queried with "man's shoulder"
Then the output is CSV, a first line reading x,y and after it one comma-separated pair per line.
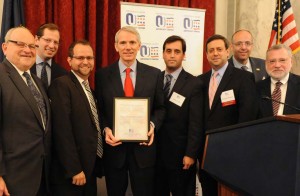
x,y
257,60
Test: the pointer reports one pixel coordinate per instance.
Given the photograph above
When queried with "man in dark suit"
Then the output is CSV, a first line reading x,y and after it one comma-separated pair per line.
x,y
179,138
242,45
47,40
75,126
25,139
229,96
141,80
278,66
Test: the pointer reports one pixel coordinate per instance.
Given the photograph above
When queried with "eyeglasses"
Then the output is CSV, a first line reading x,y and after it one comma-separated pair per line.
x,y
81,58
240,44
49,41
23,45
280,61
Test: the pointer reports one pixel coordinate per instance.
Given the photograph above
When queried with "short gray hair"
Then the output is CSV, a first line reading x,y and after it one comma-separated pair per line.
x,y
129,29
278,47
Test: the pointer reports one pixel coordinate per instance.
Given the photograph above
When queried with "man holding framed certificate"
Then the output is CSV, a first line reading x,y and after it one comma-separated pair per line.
x,y
128,91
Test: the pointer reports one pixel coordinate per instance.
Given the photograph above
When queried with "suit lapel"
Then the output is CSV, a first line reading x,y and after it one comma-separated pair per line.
x,y
255,69
291,93
23,89
180,82
116,80
225,79
140,75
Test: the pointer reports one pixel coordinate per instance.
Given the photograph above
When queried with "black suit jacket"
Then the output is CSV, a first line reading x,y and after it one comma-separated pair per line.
x,y
292,96
74,130
181,132
56,70
24,143
258,68
245,109
109,86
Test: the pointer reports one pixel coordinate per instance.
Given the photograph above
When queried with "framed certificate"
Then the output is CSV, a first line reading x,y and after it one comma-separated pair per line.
x,y
131,119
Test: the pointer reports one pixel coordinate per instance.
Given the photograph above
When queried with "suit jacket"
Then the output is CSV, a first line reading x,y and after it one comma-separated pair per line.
x,y
258,68
109,86
245,109
56,70
181,132
25,144
292,96
74,130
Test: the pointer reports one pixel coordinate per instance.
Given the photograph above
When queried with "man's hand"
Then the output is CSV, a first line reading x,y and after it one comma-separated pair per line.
x,y
151,135
187,162
79,179
3,188
110,138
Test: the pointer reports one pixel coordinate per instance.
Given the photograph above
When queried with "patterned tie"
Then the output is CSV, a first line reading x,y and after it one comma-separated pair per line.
x,y
37,96
95,116
213,85
276,95
44,75
128,86
167,86
244,67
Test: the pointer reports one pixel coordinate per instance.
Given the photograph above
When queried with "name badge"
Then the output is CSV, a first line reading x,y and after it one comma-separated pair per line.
x,y
227,98
177,99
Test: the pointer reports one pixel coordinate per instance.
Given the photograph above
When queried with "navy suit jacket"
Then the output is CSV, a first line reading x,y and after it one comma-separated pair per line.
x,y
181,133
292,96
109,86
258,68
246,107
25,146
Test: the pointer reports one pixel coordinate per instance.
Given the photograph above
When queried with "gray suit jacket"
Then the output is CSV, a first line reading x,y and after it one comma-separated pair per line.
x,y
24,143
258,68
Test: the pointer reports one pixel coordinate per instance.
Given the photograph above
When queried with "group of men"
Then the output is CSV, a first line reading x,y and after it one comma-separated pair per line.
x,y
56,136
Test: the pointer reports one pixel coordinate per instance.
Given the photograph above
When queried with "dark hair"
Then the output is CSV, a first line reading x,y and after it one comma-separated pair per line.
x,y
50,26
175,38
217,37
72,46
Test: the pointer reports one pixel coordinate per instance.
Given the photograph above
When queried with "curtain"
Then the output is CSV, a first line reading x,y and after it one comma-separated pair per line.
x,y
98,21
13,15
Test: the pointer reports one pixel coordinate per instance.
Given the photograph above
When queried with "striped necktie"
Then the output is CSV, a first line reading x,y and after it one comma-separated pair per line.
x,y
167,86
276,95
44,75
95,116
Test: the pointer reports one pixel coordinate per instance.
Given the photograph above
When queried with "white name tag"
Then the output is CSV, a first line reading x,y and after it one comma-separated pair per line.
x,y
177,99
227,98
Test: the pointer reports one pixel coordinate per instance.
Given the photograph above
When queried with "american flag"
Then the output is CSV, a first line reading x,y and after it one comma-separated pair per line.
x,y
284,27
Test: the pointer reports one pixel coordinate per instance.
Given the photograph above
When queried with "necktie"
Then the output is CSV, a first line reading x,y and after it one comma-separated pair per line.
x,y
37,96
95,116
128,86
244,67
44,75
276,95
213,85
167,86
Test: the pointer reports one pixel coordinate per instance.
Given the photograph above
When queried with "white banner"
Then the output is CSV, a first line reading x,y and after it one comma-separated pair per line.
x,y
156,23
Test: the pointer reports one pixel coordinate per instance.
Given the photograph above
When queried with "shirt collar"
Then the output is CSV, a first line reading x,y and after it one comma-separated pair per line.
x,y
221,70
239,65
39,60
283,80
174,74
122,66
78,78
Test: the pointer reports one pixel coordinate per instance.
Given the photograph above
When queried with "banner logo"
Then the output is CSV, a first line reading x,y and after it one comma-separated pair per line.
x,y
149,51
135,20
191,24
164,23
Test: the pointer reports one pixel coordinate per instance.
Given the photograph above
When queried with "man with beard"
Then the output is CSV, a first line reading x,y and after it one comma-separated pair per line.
x,y
47,42
76,137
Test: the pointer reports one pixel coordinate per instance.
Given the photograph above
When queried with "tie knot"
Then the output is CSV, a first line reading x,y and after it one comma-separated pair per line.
x,y
26,75
244,67
86,83
215,74
45,64
128,70
278,84
169,77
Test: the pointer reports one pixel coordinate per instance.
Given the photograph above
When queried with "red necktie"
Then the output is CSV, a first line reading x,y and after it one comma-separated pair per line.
x,y
128,86
276,95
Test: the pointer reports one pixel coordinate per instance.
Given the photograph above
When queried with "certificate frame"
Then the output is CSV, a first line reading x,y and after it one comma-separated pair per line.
x,y
131,120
